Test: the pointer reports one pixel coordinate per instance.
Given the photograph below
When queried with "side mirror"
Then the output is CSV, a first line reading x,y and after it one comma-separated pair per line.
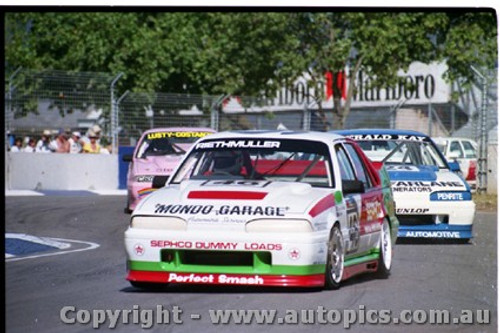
x,y
159,181
352,186
127,158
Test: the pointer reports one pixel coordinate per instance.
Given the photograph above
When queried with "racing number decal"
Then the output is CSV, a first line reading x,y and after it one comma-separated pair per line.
x,y
353,225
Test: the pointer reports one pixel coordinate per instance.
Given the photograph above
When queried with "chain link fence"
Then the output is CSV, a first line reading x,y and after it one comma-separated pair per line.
x,y
40,100
51,100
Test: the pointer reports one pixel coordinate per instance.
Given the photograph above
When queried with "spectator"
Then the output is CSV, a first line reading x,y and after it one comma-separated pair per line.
x,y
61,143
43,145
31,146
92,147
96,130
18,145
75,143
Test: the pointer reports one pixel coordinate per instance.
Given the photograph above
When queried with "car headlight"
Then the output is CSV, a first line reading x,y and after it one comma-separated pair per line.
x,y
279,225
144,179
158,222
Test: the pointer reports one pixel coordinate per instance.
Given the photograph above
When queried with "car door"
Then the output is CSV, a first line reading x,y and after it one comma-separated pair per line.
x,y
365,226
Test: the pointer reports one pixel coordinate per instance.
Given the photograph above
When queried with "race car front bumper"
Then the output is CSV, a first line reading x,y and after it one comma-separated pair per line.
x,y
219,257
439,219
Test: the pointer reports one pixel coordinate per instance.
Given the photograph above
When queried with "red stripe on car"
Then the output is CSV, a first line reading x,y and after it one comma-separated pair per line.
x,y
322,205
228,195
314,280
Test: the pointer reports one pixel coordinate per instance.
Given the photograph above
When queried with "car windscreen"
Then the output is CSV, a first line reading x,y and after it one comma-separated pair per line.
x,y
167,142
288,160
412,152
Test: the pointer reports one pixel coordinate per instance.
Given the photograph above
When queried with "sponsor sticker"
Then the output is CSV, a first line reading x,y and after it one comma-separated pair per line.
x,y
378,137
222,210
161,135
238,144
214,278
205,245
433,234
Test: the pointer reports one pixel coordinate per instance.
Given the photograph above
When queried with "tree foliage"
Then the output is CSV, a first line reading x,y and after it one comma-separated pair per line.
x,y
250,53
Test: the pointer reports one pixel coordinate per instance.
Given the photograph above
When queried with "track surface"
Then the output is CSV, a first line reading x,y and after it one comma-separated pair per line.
x,y
425,276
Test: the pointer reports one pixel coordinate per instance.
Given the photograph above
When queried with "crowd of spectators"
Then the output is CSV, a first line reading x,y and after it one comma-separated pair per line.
x,y
65,141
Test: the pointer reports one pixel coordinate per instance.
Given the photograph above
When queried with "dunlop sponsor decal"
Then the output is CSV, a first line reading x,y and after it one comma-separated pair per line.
x,y
412,210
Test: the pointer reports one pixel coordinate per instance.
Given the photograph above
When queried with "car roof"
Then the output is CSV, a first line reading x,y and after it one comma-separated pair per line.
x,y
326,137
373,131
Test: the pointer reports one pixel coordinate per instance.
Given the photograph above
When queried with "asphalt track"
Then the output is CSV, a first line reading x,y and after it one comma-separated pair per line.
x,y
90,275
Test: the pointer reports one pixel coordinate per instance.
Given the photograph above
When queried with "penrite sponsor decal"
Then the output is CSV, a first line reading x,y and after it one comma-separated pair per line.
x,y
199,245
238,144
433,234
412,210
160,135
450,196
214,278
223,210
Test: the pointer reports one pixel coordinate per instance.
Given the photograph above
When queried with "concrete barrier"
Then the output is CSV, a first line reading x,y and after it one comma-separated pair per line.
x,y
38,171
491,181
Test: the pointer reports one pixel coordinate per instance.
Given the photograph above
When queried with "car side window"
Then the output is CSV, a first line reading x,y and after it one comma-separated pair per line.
x,y
359,167
346,170
470,151
455,148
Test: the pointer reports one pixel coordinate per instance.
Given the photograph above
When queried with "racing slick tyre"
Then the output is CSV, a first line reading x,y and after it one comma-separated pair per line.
x,y
385,257
334,259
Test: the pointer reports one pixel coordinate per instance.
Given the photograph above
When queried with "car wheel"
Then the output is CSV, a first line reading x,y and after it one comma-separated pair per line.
x,y
385,257
335,259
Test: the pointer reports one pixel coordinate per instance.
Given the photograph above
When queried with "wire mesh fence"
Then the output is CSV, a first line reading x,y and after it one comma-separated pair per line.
x,y
50,100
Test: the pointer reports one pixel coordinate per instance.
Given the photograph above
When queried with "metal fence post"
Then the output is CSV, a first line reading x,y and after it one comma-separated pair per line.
x,y
482,160
215,112
117,120
114,116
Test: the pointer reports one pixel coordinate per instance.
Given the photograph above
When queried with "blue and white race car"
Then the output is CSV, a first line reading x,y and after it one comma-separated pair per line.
x,y
432,200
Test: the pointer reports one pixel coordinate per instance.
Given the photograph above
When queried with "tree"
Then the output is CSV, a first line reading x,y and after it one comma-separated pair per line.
x,y
251,53
382,43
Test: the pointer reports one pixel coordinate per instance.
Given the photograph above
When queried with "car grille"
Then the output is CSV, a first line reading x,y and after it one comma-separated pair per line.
x,y
422,219
215,258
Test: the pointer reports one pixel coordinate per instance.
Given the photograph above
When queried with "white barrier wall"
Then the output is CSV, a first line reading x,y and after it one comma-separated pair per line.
x,y
38,171
491,181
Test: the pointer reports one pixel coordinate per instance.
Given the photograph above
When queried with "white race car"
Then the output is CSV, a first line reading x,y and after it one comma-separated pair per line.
x,y
432,199
265,208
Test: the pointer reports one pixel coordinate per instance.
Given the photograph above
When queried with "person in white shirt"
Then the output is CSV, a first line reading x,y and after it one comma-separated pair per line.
x,y
43,145
75,143
18,145
31,146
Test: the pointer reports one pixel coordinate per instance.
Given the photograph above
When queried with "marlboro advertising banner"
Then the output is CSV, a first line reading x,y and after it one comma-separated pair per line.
x,y
426,79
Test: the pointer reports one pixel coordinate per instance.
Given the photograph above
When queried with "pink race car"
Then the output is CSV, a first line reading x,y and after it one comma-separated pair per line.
x,y
157,153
